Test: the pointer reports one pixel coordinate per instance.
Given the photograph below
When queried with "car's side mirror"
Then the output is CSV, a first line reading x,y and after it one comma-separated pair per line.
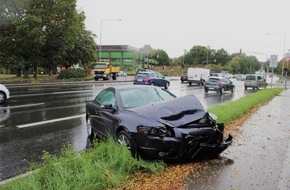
x,y
108,106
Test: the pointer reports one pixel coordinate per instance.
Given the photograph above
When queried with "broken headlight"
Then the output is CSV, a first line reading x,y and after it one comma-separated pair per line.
x,y
155,131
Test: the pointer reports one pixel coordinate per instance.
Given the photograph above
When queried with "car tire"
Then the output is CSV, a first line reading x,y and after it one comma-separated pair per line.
x,y
124,139
89,129
222,90
166,85
152,84
233,90
246,87
258,87
206,90
2,97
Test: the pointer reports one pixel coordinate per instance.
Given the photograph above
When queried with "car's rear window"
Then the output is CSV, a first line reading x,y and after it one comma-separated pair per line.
x,y
213,80
142,75
251,77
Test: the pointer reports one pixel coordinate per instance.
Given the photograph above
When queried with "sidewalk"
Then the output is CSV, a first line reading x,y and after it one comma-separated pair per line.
x,y
259,157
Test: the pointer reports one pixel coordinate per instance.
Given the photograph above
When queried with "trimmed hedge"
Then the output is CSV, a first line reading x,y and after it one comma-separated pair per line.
x,y
72,73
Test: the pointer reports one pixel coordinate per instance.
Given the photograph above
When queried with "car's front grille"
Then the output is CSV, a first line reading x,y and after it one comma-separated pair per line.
x,y
193,144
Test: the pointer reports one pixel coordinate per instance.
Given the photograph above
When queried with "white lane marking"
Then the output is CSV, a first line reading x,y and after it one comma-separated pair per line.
x,y
22,106
49,121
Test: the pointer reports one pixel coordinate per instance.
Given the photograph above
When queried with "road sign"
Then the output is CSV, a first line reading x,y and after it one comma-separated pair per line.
x,y
273,61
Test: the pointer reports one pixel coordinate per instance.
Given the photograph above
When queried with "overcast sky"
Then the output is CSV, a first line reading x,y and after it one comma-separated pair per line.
x,y
178,25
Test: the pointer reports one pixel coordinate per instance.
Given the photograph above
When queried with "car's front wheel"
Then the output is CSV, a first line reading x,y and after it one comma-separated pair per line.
x,y
2,97
124,139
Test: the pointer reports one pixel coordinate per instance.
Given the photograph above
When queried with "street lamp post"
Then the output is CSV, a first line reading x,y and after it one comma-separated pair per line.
x,y
207,56
101,28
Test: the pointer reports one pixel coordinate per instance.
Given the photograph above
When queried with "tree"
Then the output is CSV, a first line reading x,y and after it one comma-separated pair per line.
x,y
61,25
222,57
11,13
84,49
39,32
161,57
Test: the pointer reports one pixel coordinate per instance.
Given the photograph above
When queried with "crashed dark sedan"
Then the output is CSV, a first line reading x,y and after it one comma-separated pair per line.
x,y
153,123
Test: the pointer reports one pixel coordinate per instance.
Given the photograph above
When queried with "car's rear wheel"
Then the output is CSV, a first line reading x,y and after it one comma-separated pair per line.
x,y
246,87
2,97
233,90
166,85
124,139
206,90
222,90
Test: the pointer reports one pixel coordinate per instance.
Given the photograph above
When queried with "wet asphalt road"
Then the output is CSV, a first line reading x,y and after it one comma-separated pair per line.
x,y
47,117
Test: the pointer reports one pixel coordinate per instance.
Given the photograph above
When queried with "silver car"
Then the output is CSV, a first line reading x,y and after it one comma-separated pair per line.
x,y
4,93
255,81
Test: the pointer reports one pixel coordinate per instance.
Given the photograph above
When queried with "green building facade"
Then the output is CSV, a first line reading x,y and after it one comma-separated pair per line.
x,y
124,56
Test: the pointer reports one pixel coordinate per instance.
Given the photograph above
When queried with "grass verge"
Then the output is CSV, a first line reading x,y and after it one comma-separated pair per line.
x,y
231,111
106,165
110,166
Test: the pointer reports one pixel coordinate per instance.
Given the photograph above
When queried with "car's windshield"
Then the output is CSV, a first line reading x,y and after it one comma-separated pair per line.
x,y
138,97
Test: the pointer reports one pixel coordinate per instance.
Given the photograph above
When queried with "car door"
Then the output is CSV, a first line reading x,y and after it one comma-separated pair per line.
x,y
160,79
104,119
227,84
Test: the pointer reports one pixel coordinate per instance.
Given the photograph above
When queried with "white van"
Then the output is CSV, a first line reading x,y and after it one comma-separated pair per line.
x,y
197,75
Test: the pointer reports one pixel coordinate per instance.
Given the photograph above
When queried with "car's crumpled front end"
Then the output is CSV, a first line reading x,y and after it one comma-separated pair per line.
x,y
207,140
183,132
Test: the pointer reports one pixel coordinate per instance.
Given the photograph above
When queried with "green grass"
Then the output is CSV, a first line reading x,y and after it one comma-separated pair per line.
x,y
234,110
107,165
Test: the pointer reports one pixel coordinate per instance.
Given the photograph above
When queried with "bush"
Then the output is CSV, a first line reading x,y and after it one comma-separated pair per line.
x,y
72,73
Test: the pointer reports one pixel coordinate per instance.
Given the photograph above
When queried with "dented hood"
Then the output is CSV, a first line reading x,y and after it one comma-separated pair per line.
x,y
175,113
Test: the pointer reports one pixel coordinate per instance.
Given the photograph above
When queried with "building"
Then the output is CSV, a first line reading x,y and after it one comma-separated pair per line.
x,y
127,57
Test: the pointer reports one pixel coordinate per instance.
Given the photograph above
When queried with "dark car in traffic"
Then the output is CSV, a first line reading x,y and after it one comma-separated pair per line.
x,y
150,77
219,84
153,123
183,78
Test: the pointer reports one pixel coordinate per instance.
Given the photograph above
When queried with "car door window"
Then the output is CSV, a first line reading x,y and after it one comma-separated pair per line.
x,y
106,96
